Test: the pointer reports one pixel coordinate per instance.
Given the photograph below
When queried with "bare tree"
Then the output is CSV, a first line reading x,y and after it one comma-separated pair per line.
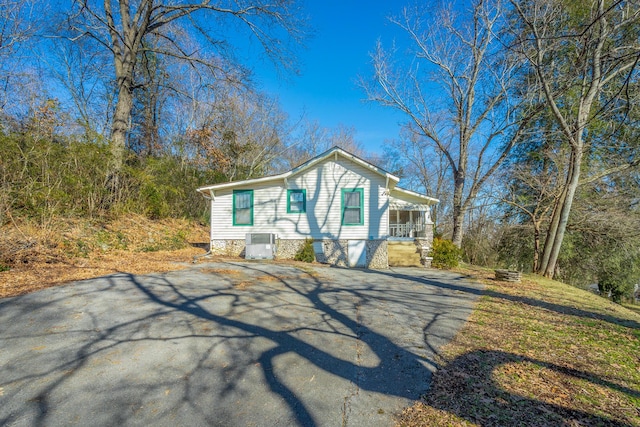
x,y
422,167
312,139
81,71
123,27
241,135
480,116
17,25
584,56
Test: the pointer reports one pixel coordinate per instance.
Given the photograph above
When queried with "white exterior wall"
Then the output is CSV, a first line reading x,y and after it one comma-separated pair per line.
x,y
322,220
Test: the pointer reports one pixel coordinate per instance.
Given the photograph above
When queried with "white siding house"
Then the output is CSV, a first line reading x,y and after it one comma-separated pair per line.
x,y
337,199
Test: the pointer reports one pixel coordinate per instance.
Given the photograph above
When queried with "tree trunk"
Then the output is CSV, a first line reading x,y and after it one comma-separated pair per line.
x,y
536,245
458,210
550,269
125,63
125,47
120,127
551,233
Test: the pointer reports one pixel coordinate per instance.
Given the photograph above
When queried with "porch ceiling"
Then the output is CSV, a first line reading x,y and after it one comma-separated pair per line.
x,y
409,202
399,205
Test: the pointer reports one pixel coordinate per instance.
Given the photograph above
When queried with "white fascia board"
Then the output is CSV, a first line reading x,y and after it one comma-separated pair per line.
x,y
301,168
371,167
429,200
340,151
224,185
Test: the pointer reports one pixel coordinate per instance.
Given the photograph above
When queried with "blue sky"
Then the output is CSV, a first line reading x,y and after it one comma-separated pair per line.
x,y
345,33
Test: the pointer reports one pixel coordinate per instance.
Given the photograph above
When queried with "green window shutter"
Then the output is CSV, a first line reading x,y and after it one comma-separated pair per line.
x,y
242,207
296,201
353,206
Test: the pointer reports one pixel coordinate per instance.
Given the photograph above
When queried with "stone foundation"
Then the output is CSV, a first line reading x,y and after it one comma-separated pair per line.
x,y
377,254
334,252
228,247
287,249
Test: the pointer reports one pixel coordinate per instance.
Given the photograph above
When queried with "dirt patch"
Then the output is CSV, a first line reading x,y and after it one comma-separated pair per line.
x,y
241,280
242,285
224,271
267,278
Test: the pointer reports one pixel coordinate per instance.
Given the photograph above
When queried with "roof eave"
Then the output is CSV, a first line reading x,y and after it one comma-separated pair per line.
x,y
232,184
308,164
350,156
430,200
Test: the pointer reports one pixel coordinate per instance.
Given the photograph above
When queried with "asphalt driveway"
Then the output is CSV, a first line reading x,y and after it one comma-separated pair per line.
x,y
227,344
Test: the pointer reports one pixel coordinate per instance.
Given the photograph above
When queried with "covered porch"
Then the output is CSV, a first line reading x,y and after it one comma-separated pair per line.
x,y
409,219
408,223
410,228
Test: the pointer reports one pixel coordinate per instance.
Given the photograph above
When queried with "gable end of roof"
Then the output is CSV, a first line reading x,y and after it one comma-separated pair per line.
x,y
301,168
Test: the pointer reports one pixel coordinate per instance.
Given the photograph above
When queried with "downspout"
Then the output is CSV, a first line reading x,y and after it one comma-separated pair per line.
x,y
212,198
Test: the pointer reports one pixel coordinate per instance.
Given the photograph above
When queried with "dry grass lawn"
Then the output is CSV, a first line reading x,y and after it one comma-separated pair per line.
x,y
537,353
40,275
38,258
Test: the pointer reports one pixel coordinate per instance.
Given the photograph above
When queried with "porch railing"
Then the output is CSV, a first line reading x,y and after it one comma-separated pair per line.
x,y
406,230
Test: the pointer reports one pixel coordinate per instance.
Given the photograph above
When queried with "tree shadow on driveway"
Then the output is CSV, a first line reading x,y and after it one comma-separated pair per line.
x,y
341,312
228,344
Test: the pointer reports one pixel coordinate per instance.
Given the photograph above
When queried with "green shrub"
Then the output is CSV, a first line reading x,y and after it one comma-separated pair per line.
x,y
168,242
67,176
177,240
76,248
163,187
107,240
4,268
445,254
306,252
617,274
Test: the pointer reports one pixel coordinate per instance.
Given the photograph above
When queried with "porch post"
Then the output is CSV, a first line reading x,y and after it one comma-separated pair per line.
x,y
411,224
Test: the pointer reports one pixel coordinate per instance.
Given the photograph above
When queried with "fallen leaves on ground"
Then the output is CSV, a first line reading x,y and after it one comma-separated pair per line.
x,y
536,353
38,257
34,276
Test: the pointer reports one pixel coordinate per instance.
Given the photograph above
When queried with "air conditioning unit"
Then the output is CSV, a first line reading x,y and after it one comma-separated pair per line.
x,y
260,246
